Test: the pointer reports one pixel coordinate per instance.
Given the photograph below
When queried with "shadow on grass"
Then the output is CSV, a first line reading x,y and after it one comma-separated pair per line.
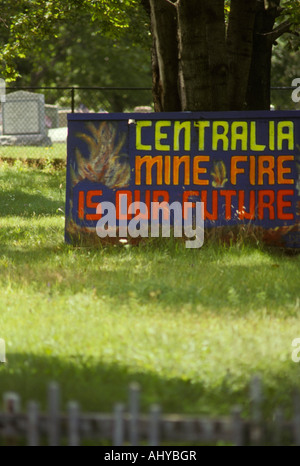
x,y
97,386
160,279
23,204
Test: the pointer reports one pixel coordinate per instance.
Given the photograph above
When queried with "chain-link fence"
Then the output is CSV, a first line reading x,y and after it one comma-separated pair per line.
x,y
33,120
281,98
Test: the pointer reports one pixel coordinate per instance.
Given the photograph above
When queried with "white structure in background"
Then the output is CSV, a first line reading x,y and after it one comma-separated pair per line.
x,y
2,350
23,120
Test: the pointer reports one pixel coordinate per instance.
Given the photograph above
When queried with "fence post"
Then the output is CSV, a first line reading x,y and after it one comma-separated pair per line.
x,y
154,426
53,415
256,398
296,426
33,424
73,99
238,431
12,406
73,424
12,403
278,427
118,428
134,405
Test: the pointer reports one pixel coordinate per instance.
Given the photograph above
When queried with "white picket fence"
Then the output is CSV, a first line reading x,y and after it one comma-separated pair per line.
x,y
127,426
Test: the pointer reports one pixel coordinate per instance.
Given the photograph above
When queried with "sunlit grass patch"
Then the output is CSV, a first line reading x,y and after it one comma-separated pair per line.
x,y
57,150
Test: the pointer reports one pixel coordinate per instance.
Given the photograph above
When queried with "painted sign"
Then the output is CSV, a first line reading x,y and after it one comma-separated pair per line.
x,y
243,166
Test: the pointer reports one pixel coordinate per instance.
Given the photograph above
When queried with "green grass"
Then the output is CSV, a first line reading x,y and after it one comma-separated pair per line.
x,y
191,326
56,151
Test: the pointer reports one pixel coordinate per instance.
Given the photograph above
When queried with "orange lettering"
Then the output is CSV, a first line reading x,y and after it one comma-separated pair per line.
x,y
281,204
268,170
282,170
262,205
121,215
177,161
197,170
243,214
234,169
228,196
185,199
214,214
155,198
92,205
81,205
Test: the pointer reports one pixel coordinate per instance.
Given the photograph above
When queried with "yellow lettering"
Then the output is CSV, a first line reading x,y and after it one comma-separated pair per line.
x,y
253,144
288,136
220,136
202,125
159,135
272,135
139,126
239,136
178,127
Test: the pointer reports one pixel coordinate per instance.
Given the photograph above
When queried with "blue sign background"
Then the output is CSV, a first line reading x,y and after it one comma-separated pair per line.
x,y
226,159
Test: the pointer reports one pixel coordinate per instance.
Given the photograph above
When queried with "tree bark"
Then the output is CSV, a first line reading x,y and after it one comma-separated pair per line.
x,y
199,66
165,56
156,83
195,84
240,49
259,83
217,54
157,91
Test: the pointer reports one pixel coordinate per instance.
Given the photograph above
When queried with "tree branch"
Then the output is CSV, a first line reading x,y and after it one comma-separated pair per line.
x,y
171,3
4,22
278,31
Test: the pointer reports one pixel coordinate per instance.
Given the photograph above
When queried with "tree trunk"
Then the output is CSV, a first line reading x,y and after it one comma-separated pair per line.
x,y
195,84
240,49
258,92
217,54
157,90
199,66
165,56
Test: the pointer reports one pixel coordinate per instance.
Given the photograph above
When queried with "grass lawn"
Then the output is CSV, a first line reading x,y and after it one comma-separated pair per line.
x,y
192,326
56,151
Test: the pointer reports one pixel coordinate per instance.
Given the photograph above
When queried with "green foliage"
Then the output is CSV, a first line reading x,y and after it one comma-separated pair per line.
x,y
285,68
285,57
291,13
27,23
71,49
291,10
